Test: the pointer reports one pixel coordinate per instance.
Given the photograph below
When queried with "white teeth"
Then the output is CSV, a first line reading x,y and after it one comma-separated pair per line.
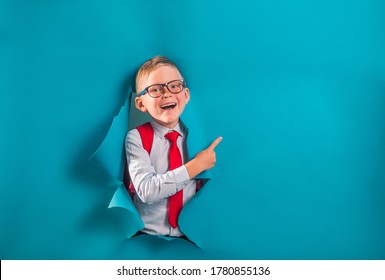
x,y
168,105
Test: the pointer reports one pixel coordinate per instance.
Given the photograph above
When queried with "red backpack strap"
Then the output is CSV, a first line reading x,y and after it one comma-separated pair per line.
x,y
146,133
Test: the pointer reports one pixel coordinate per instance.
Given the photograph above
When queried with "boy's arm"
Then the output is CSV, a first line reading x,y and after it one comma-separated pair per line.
x,y
204,160
149,185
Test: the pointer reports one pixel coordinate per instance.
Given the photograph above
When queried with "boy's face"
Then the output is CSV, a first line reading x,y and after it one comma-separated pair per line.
x,y
167,116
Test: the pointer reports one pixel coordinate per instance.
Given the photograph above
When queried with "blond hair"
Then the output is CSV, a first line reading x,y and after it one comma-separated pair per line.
x,y
149,66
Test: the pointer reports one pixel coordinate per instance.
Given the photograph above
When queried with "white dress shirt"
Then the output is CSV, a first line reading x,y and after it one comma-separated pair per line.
x,y
152,180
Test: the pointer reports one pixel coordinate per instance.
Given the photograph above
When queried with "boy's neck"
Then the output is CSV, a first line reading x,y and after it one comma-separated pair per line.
x,y
170,127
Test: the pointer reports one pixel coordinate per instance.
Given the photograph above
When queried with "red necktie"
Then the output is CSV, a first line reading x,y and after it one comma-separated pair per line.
x,y
175,202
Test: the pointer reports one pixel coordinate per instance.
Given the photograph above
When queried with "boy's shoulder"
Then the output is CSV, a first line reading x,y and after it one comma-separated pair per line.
x,y
133,135
137,129
142,135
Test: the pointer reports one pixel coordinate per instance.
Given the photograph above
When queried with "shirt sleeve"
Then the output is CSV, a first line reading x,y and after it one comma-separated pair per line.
x,y
149,185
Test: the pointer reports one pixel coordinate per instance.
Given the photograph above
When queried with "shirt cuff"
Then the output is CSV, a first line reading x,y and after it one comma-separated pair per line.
x,y
181,174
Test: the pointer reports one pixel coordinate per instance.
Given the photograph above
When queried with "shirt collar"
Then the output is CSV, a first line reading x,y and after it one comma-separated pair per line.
x,y
161,130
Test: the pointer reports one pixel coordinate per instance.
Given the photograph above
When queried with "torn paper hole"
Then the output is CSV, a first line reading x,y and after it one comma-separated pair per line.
x,y
111,155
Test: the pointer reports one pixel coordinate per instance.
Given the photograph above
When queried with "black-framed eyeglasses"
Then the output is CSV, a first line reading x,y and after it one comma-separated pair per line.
x,y
157,90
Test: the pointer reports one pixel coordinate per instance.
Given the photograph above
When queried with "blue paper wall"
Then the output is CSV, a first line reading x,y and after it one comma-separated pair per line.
x,y
297,90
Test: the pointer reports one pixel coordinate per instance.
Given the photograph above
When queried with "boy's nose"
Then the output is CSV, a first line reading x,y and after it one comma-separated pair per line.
x,y
166,92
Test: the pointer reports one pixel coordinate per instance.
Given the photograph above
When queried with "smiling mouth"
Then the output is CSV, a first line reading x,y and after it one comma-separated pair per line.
x,y
168,106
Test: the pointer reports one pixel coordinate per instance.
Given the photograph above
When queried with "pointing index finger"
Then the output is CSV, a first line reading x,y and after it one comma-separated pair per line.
x,y
215,143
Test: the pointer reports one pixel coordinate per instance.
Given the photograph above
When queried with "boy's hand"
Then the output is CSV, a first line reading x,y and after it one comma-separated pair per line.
x,y
204,160
207,157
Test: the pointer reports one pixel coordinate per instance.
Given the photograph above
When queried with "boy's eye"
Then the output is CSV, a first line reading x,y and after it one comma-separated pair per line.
x,y
155,89
176,86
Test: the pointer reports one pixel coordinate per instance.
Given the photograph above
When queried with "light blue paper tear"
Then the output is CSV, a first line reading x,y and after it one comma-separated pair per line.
x,y
122,199
168,238
110,153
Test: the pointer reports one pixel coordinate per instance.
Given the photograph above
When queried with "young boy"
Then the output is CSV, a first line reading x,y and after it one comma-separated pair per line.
x,y
158,182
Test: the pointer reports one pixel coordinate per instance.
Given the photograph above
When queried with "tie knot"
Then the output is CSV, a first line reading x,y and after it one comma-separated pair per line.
x,y
172,136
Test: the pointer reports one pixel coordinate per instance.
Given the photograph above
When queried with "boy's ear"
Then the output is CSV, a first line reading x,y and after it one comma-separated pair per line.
x,y
187,94
140,105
